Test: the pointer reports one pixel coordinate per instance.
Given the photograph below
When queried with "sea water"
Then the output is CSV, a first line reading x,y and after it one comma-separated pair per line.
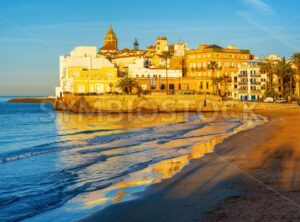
x,y
57,166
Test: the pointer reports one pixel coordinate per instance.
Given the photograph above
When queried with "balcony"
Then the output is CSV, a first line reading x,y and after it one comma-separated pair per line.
x,y
255,83
255,75
198,69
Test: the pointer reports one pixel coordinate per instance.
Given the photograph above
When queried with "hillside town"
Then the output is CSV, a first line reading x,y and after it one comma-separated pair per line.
x,y
173,68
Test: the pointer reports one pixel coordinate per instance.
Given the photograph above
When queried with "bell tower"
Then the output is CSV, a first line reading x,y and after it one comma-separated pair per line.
x,y
136,44
110,41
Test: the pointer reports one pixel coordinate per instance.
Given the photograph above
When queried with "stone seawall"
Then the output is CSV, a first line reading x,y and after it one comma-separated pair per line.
x,y
156,103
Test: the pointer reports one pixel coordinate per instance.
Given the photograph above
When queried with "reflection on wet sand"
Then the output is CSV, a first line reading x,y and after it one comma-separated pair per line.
x,y
152,174
173,145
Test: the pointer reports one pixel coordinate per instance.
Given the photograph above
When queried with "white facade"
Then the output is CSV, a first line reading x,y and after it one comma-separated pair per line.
x,y
249,83
180,49
83,57
273,57
137,70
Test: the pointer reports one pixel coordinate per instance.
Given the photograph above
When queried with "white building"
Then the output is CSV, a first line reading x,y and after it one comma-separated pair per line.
x,y
179,49
138,70
84,57
249,83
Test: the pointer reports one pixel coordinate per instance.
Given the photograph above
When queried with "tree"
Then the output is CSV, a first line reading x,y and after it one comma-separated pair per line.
x,y
213,66
284,71
167,55
216,82
270,70
127,84
296,62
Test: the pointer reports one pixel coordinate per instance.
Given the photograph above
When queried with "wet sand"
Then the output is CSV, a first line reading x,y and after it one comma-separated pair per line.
x,y
251,176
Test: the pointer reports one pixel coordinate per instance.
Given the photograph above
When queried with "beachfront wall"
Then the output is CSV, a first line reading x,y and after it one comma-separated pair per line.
x,y
155,103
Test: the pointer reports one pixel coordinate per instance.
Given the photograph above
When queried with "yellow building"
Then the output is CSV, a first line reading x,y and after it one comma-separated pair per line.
x,y
161,45
174,62
94,81
227,61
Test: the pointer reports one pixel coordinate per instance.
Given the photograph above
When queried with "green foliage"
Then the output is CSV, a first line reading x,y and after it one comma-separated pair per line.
x,y
127,84
213,65
284,71
296,62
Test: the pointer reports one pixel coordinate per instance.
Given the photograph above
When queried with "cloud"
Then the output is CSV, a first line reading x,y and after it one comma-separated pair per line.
x,y
260,6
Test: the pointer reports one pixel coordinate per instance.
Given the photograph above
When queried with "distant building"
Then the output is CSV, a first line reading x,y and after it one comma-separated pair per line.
x,y
273,58
82,69
227,62
249,83
178,49
161,45
155,79
125,57
110,44
137,69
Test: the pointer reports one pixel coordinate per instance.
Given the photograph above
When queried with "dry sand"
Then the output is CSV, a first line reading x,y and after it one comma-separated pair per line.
x,y
252,176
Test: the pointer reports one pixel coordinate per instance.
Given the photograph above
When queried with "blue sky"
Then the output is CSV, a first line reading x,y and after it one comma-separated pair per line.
x,y
33,33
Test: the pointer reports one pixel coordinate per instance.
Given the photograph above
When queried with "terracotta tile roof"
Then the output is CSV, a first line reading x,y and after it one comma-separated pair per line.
x,y
108,47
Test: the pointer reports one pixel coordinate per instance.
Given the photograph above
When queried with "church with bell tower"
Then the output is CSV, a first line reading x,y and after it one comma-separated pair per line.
x,y
110,44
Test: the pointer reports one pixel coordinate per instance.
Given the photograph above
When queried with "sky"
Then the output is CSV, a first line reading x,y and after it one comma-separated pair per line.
x,y
33,33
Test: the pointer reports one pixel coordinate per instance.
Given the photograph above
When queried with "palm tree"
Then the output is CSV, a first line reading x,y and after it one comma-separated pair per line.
x,y
285,72
167,55
270,70
127,84
296,62
213,66
216,82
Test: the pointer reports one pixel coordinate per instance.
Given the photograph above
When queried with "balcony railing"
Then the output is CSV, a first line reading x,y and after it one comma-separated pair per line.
x,y
251,91
255,83
255,75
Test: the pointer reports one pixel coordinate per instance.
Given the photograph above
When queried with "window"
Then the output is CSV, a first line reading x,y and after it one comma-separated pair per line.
x,y
92,88
207,85
110,75
81,88
100,88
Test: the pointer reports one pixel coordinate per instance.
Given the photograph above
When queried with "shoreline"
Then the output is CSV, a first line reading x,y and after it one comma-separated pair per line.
x,y
202,190
269,177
